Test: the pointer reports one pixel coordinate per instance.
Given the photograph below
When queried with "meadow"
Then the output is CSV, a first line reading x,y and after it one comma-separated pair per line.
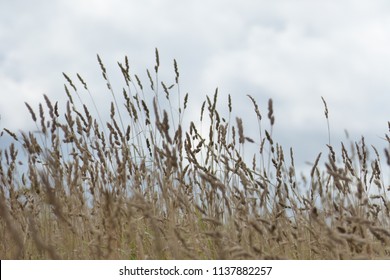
x,y
146,184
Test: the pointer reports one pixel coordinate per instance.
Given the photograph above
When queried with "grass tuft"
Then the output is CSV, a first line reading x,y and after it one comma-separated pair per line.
x,y
146,185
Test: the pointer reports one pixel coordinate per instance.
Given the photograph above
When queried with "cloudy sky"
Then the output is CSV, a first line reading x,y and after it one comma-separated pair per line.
x,y
291,51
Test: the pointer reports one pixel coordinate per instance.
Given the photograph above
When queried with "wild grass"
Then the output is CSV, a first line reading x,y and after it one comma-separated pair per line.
x,y
144,184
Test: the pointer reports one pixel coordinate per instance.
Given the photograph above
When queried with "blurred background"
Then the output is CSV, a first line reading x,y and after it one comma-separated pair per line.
x,y
291,51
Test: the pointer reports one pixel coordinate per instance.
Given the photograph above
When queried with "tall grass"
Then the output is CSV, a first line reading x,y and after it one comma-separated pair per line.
x,y
146,185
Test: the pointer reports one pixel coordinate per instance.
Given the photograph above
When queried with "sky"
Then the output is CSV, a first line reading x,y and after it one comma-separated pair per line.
x,y
291,51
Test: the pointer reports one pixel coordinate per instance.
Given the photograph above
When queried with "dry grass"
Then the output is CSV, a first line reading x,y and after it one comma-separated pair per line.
x,y
146,185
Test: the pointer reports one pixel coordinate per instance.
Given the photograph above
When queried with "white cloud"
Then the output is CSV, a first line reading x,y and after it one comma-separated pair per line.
x,y
341,58
292,51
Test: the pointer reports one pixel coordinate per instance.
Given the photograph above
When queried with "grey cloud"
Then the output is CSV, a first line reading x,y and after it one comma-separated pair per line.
x,y
293,52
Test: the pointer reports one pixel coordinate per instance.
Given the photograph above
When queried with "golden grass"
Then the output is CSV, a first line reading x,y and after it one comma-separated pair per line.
x,y
146,185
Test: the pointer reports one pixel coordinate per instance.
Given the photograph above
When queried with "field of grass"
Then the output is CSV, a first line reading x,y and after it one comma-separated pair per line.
x,y
145,184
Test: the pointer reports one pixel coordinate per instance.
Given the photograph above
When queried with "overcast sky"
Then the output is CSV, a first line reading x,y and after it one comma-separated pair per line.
x,y
291,51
